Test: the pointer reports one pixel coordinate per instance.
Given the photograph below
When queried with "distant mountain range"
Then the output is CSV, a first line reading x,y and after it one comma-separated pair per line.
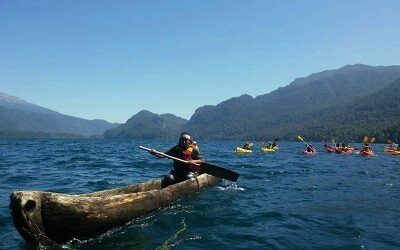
x,y
19,118
345,104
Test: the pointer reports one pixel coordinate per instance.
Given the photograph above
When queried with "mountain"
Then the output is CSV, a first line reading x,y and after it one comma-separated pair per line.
x,y
148,125
308,105
375,114
19,116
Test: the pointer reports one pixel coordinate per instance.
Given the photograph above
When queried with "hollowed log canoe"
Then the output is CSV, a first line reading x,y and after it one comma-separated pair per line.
x,y
47,218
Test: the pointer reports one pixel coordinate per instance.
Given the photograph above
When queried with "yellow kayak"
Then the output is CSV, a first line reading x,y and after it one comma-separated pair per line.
x,y
242,150
397,152
269,150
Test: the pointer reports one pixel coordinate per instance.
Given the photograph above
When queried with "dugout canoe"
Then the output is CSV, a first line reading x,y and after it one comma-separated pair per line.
x,y
46,218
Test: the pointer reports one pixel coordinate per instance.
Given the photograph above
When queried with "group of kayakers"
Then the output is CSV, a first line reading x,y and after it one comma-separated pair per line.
x,y
248,147
190,160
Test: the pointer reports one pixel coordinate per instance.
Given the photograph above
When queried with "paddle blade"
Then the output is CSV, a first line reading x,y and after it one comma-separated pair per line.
x,y
390,142
373,139
299,137
365,139
219,172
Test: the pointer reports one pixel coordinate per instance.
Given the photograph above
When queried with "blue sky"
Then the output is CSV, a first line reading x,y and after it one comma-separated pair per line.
x,y
111,59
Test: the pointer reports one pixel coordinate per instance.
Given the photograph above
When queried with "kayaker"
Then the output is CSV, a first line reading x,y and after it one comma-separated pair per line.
x,y
270,145
182,171
344,147
310,148
367,147
247,146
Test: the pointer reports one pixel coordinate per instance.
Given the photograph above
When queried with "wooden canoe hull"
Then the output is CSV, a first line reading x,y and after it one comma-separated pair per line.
x,y
47,218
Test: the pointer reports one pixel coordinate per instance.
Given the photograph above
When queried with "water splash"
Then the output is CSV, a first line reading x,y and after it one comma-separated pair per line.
x,y
232,186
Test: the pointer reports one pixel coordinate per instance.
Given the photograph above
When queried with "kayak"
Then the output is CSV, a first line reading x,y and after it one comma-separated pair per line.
x,y
339,151
389,150
397,152
367,153
329,149
309,153
269,150
47,218
242,150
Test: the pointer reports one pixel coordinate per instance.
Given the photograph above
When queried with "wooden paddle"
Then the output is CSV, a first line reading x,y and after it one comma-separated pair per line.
x,y
205,167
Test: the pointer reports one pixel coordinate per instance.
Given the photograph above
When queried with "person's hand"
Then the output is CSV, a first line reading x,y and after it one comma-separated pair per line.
x,y
153,152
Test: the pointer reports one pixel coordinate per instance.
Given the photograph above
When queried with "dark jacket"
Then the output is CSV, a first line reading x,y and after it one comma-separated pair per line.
x,y
185,154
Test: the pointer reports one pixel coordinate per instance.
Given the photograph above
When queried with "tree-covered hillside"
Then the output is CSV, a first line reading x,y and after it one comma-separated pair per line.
x,y
318,105
148,125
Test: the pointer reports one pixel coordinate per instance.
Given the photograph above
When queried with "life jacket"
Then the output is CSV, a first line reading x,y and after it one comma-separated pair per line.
x,y
187,154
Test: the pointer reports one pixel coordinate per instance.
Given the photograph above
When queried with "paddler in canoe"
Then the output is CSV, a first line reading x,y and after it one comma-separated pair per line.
x,y
185,150
247,146
271,148
310,148
344,149
272,145
392,147
366,151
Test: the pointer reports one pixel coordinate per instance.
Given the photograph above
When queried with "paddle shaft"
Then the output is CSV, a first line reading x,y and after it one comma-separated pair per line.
x,y
301,139
165,155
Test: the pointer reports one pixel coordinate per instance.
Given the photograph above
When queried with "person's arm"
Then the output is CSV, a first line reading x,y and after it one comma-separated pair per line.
x,y
199,161
153,152
196,158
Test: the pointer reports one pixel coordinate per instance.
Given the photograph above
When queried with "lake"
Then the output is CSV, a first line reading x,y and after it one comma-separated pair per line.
x,y
283,200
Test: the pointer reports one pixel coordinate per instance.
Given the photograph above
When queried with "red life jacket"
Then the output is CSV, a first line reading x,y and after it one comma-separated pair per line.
x,y
187,154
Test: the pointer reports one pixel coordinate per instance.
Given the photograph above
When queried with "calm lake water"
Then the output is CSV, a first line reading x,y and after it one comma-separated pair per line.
x,y
284,200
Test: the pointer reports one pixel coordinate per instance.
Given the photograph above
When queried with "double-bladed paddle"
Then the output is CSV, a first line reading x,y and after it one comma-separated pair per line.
x,y
205,167
308,145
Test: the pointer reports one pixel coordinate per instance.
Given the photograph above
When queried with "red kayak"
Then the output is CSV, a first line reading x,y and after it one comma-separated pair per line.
x,y
367,153
309,153
339,151
329,149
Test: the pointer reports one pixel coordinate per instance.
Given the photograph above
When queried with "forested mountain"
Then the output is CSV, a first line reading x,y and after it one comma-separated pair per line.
x,y
20,117
148,125
322,105
376,114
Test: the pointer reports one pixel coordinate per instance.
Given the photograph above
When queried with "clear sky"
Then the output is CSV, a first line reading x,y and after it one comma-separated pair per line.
x,y
111,59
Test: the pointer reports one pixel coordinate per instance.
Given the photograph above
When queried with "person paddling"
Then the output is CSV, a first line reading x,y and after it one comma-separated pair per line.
x,y
183,150
367,147
310,148
247,146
